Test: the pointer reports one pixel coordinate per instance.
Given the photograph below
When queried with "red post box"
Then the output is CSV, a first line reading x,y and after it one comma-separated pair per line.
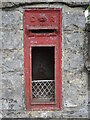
x,y
42,58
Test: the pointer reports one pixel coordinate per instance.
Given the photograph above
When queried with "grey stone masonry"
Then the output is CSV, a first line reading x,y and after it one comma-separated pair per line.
x,y
74,56
88,64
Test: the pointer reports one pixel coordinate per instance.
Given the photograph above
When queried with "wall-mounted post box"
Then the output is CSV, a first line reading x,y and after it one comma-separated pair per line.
x,y
42,58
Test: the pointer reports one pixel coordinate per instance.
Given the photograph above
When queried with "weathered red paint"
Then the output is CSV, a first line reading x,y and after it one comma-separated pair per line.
x,y
42,19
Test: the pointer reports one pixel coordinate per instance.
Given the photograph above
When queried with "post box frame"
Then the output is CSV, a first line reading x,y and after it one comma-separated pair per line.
x,y
57,105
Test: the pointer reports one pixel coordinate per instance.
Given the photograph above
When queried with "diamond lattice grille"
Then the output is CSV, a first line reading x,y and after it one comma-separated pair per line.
x,y
43,89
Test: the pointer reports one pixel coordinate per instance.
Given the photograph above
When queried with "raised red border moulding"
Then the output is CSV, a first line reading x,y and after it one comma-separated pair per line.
x,y
38,20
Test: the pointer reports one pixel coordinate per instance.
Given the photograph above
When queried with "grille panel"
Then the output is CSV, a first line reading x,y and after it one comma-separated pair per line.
x,y
43,90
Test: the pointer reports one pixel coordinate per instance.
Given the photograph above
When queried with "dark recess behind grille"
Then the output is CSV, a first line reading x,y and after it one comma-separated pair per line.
x,y
43,63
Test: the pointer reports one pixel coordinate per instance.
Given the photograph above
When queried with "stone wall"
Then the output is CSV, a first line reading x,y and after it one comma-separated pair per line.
x,y
74,55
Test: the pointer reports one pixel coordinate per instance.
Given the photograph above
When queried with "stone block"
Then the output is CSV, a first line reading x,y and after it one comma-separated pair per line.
x,y
30,1
10,19
12,91
77,1
73,21
1,40
13,60
73,48
12,40
0,114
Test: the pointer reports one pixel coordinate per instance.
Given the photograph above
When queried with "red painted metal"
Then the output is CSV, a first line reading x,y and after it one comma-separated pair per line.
x,y
35,20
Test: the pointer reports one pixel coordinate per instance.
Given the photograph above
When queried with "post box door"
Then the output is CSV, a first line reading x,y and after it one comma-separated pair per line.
x,y
42,58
